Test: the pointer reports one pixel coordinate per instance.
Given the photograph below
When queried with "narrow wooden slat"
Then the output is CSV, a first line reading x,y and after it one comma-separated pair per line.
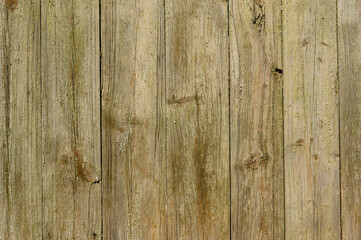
x,y
132,125
257,203
20,120
4,113
70,119
197,160
349,52
312,207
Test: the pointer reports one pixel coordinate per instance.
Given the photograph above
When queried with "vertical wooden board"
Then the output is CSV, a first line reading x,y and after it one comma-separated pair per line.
x,y
257,188
197,150
86,55
71,119
4,113
311,120
132,125
4,122
349,52
20,154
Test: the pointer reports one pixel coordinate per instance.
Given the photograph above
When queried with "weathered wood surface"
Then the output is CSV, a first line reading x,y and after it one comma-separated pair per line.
x,y
20,112
349,45
171,119
133,127
197,111
312,195
50,119
165,127
70,119
256,120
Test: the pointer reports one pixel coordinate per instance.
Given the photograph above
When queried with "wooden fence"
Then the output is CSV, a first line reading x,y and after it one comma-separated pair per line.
x,y
180,119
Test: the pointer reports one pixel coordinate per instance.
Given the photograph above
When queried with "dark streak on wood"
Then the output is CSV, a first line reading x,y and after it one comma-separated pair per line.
x,y
299,142
200,163
5,134
181,100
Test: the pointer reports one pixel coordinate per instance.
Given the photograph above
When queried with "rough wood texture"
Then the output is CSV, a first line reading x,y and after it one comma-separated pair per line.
x,y
162,190
197,146
349,40
173,119
256,120
70,119
311,120
20,120
132,124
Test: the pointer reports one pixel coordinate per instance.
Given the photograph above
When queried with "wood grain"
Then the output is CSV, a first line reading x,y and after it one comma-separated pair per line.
x,y
171,119
257,190
70,119
197,119
132,119
311,120
20,121
157,189
349,52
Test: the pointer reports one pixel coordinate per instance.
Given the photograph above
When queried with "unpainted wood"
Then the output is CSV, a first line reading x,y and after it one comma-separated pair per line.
x,y
133,119
160,182
199,100
312,207
349,53
197,111
70,121
257,190
20,121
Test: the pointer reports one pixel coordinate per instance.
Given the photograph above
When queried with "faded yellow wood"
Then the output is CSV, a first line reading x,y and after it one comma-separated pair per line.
x,y
20,121
70,119
312,203
257,190
197,146
349,42
132,119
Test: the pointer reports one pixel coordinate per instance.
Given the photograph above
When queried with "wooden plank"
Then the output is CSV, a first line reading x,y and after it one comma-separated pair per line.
x,y
311,120
20,120
70,119
349,52
197,150
147,194
132,118
257,190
